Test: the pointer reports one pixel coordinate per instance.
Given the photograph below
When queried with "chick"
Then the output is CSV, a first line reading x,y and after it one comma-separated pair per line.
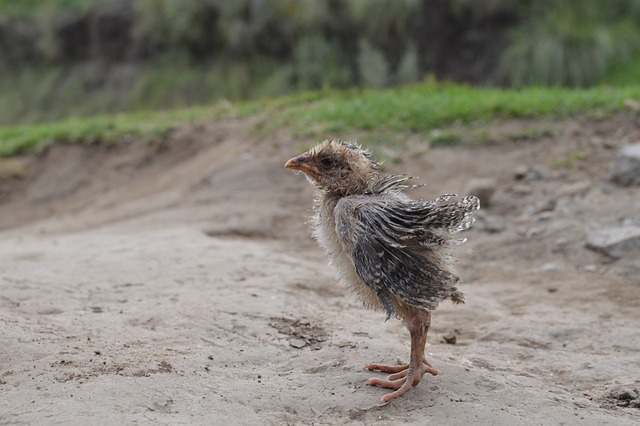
x,y
390,250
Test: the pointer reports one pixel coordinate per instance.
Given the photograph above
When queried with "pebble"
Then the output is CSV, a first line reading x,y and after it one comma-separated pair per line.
x,y
562,226
545,215
574,189
523,172
521,190
546,205
625,394
549,267
531,231
297,343
483,188
494,224
504,202
450,338
625,169
520,171
615,242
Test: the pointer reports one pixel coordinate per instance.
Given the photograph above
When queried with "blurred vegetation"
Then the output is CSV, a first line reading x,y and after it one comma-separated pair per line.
x,y
26,8
426,108
573,42
63,58
626,74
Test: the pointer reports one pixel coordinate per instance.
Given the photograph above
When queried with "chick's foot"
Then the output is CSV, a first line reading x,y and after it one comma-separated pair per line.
x,y
403,377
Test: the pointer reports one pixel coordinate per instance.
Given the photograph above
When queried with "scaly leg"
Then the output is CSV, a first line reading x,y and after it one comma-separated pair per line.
x,y
405,376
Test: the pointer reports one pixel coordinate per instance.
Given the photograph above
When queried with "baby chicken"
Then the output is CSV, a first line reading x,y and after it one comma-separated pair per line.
x,y
390,250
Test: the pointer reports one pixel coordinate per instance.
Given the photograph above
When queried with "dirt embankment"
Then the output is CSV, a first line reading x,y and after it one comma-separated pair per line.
x,y
177,283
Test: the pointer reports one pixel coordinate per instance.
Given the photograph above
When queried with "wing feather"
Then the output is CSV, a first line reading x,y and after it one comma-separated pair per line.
x,y
396,243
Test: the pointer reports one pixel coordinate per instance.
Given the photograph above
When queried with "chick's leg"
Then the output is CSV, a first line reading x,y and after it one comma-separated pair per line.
x,y
405,376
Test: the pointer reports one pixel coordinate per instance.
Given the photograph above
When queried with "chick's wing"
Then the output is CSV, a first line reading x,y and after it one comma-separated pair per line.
x,y
399,246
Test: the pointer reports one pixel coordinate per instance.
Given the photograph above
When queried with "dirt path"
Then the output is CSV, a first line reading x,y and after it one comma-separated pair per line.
x,y
178,284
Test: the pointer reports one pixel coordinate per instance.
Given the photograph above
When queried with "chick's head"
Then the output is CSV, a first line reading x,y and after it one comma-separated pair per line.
x,y
337,167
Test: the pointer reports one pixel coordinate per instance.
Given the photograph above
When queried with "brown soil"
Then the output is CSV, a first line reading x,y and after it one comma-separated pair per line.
x,y
177,283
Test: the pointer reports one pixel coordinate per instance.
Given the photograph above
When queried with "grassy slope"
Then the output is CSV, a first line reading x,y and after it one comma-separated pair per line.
x,y
415,108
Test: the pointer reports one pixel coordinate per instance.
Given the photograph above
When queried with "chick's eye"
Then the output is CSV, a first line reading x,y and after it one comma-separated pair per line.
x,y
327,162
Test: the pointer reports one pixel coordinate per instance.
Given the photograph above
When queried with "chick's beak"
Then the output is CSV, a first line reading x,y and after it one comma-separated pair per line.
x,y
302,163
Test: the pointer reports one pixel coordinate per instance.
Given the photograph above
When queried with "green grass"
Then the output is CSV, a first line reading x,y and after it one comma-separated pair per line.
x,y
420,108
446,139
150,126
417,108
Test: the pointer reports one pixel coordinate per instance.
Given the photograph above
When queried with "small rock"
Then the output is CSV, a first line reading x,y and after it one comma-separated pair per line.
x,y
542,206
528,210
625,394
545,215
561,245
562,226
590,268
575,188
522,172
450,338
547,205
625,169
504,202
610,144
606,189
549,267
615,242
521,190
530,231
297,343
483,188
494,224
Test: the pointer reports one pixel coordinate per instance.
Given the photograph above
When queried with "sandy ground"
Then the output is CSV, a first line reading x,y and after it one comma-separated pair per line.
x,y
177,284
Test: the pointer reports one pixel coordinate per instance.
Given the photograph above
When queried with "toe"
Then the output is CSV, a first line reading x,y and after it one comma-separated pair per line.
x,y
429,369
397,394
386,368
388,384
398,375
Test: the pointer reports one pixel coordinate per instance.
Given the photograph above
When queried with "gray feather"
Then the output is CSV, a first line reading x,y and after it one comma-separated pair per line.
x,y
396,244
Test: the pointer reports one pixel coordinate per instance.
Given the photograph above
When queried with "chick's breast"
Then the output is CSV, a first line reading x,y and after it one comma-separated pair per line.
x,y
340,259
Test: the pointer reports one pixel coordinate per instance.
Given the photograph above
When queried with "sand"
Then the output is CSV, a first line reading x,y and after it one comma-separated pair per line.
x,y
177,283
